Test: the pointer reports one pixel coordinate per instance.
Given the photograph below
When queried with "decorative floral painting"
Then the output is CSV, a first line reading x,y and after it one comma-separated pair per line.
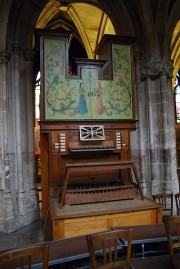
x,y
87,98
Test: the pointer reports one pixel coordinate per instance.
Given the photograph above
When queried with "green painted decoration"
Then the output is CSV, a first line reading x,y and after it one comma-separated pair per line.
x,y
86,98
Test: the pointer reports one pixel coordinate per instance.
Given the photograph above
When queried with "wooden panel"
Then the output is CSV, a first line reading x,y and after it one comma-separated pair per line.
x,y
44,173
84,219
56,230
83,226
137,217
157,215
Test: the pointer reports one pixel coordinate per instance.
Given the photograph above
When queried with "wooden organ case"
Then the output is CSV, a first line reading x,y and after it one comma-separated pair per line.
x,y
74,169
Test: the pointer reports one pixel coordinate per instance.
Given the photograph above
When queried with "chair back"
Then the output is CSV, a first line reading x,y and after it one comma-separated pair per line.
x,y
177,199
173,223
110,249
23,257
166,200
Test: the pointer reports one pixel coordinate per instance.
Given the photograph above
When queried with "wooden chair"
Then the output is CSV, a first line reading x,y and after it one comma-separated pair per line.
x,y
22,257
110,249
177,199
166,200
173,223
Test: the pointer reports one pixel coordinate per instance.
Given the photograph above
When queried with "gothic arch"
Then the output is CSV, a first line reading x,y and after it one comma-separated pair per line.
x,y
4,22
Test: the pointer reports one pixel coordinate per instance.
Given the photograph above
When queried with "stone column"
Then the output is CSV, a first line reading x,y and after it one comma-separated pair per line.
x,y
150,73
30,107
4,157
5,193
141,105
155,78
18,128
168,127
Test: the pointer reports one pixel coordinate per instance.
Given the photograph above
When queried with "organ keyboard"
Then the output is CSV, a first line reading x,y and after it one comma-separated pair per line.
x,y
92,148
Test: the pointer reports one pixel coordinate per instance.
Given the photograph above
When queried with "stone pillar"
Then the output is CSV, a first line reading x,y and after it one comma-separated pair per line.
x,y
29,119
18,128
168,127
141,104
4,157
6,209
155,78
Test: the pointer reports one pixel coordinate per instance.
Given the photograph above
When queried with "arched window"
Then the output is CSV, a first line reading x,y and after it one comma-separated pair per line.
x,y
177,96
37,97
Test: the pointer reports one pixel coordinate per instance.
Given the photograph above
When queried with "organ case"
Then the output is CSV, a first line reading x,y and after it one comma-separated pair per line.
x,y
107,80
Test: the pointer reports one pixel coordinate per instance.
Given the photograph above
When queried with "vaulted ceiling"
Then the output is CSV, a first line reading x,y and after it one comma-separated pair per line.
x,y
175,46
87,22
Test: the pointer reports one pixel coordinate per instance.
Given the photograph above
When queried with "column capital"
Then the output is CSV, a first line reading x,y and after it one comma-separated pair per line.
x,y
4,57
16,49
154,70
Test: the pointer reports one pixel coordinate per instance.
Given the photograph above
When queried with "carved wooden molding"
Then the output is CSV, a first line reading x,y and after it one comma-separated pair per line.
x,y
91,132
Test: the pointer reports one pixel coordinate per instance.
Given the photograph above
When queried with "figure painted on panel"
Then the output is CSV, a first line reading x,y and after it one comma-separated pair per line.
x,y
82,107
99,108
55,68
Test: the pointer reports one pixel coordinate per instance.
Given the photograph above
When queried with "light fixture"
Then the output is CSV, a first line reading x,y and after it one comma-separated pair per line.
x,y
64,6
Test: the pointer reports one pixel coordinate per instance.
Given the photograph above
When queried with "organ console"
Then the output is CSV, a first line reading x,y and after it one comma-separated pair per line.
x,y
90,170
70,141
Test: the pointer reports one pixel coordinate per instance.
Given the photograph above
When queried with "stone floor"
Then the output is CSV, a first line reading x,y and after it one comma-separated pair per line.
x,y
28,235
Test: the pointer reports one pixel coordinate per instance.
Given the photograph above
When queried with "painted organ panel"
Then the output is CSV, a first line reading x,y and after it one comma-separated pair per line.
x,y
86,118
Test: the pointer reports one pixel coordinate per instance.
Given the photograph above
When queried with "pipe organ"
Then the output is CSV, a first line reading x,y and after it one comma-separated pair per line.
x,y
86,121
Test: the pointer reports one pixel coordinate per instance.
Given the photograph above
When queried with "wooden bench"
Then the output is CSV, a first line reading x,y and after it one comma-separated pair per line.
x,y
71,249
146,234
